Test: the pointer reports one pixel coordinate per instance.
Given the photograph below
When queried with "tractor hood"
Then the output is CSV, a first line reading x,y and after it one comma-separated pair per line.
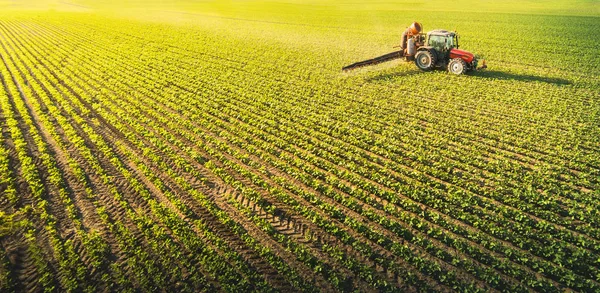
x,y
464,55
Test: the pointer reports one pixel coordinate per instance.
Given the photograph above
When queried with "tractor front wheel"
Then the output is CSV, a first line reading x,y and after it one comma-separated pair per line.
x,y
457,66
425,60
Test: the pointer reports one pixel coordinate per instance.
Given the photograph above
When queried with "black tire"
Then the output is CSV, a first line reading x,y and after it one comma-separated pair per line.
x,y
457,66
425,60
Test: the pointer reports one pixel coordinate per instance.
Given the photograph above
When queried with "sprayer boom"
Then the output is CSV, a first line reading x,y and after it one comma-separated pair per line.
x,y
385,58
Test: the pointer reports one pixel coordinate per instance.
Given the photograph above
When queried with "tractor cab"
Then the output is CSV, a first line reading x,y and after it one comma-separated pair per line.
x,y
442,40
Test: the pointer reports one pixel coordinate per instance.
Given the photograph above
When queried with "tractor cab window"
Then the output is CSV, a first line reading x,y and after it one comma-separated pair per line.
x,y
449,43
438,42
456,41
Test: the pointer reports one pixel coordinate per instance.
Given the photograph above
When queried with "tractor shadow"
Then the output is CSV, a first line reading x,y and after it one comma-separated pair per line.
x,y
390,76
501,75
486,74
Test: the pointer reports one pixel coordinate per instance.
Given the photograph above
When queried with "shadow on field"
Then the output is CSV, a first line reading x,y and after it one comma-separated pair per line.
x,y
489,74
492,74
392,75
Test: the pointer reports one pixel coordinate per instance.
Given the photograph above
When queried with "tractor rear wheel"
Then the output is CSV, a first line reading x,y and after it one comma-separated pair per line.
x,y
457,66
425,60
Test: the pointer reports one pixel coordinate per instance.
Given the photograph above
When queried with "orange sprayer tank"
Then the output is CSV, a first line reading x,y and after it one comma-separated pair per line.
x,y
415,28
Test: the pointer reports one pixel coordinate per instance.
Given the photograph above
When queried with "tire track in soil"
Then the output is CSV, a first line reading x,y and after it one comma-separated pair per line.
x,y
23,270
346,210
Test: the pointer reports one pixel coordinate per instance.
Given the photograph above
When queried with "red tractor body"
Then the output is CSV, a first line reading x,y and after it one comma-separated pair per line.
x,y
462,54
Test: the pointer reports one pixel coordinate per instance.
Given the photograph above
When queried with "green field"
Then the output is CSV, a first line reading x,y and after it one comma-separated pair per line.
x,y
202,146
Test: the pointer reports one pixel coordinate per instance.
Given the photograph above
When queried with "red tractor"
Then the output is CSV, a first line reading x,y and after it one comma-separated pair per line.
x,y
437,48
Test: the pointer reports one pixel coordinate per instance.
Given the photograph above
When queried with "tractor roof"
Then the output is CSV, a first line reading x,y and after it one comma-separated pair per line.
x,y
438,32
